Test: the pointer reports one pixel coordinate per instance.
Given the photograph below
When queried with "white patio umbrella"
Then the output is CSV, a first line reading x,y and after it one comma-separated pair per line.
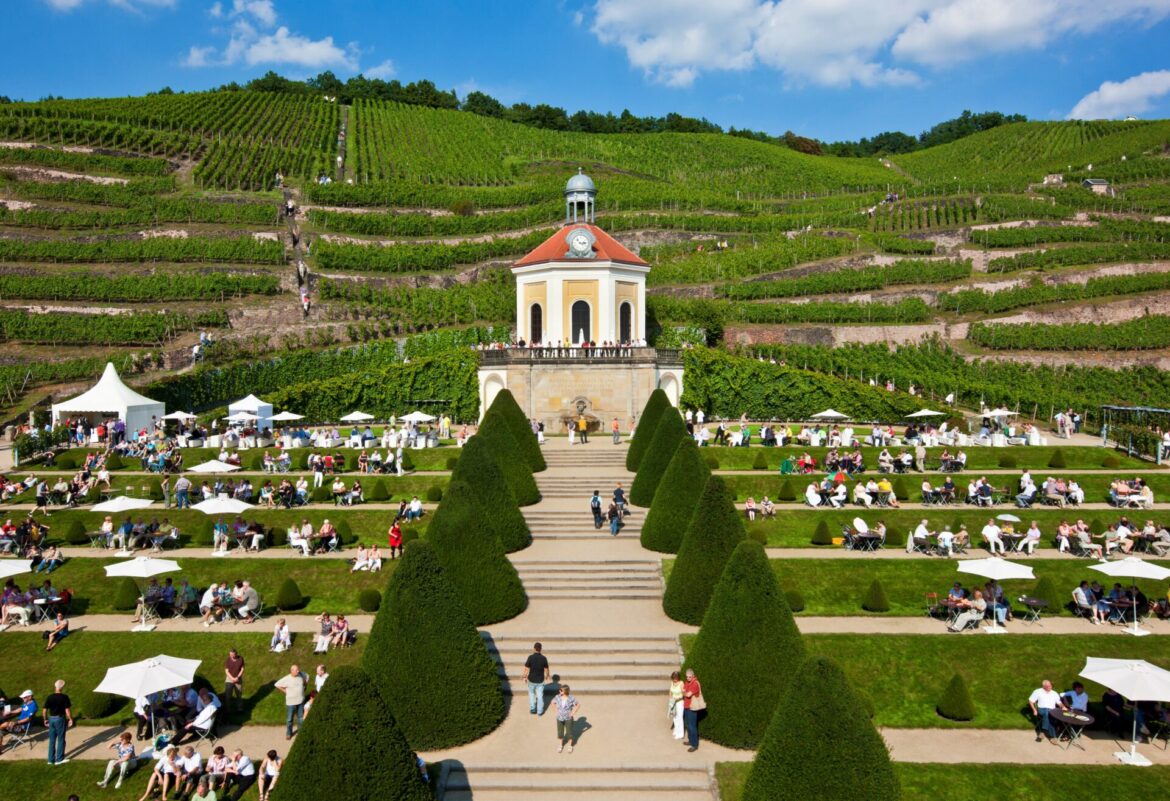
x,y
179,416
121,504
1008,518
1000,570
214,466
927,413
829,414
16,567
1133,568
357,417
418,417
143,567
241,417
1137,680
223,506
860,525
141,679
285,417
999,413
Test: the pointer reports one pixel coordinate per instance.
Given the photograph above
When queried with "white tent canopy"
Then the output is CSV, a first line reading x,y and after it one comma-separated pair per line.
x,y
357,417
830,414
254,406
179,416
214,466
109,396
418,417
286,416
926,413
1135,679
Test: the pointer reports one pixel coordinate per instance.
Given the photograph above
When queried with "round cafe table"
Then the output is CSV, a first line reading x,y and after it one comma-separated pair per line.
x,y
1072,723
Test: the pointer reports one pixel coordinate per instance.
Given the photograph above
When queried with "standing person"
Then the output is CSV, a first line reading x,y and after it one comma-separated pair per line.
x,y
615,427
693,704
595,507
619,497
293,687
233,679
58,717
537,675
1042,701
182,492
675,708
583,429
615,519
567,708
166,490
395,540
269,773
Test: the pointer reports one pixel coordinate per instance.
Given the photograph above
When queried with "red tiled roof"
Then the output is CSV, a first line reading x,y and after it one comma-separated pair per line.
x,y
605,248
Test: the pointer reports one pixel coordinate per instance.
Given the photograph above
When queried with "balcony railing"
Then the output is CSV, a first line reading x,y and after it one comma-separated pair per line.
x,y
578,355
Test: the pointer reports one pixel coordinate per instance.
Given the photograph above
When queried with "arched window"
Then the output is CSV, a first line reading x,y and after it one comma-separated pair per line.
x,y
535,325
582,330
626,323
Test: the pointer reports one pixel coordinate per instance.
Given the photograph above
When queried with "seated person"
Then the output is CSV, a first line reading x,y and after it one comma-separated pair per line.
x,y
249,603
812,495
25,715
839,496
1031,539
919,538
166,533
973,611
339,491
296,539
186,598
124,761
929,494
361,561
355,493
374,556
59,631
767,508
327,537
281,637
885,461
957,593
339,636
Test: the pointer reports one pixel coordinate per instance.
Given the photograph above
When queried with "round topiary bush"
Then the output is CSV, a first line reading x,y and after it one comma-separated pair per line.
x,y
822,744
353,738
126,595
822,535
1058,461
714,531
956,702
760,462
504,404
378,493
901,491
787,491
65,461
479,470
409,535
289,597
1007,460
1111,462
434,493
1045,590
423,623
452,461
746,651
645,424
344,532
322,494
670,432
795,600
114,461
758,535
495,434
474,559
369,600
90,705
895,535
712,460
76,533
675,500
875,599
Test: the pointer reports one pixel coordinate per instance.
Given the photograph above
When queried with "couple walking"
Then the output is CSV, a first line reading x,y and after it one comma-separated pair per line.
x,y
536,673
686,702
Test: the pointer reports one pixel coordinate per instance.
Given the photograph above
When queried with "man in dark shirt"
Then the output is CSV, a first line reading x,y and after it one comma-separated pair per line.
x,y
58,717
536,674
619,497
233,679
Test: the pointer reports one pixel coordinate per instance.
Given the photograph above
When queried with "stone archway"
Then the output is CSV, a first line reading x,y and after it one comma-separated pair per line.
x,y
491,387
669,384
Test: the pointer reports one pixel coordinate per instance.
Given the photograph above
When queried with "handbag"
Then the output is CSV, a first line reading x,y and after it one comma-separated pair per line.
x,y
698,704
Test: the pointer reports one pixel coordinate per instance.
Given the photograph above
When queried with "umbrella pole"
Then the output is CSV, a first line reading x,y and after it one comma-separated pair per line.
x,y
1135,631
1132,757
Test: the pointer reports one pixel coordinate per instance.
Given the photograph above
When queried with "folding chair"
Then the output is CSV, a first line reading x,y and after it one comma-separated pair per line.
x,y
23,735
921,545
932,608
206,735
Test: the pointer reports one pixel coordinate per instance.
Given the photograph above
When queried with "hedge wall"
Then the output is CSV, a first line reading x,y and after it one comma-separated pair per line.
x,y
644,427
675,499
667,435
479,470
715,529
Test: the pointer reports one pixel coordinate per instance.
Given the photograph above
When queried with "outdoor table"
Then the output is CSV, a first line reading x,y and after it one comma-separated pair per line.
x,y
97,539
1012,541
149,609
867,542
44,609
1124,606
1032,608
1072,723
954,609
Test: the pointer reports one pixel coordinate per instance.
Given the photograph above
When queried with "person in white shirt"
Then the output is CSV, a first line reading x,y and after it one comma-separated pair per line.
x,y
991,538
190,769
919,538
241,773
1042,701
812,495
1031,539
320,678
281,638
1076,699
207,604
946,541
839,497
861,494
700,417
361,561
297,540
1076,495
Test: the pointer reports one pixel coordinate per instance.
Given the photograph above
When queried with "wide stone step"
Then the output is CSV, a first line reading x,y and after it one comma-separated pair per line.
x,y
560,793
571,661
589,594
546,575
585,687
613,783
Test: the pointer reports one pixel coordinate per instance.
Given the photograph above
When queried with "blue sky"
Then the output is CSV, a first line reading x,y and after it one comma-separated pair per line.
x,y
831,69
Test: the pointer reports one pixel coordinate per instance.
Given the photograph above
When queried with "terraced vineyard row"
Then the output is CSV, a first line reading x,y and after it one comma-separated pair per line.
x,y
1141,334
101,329
242,250
159,286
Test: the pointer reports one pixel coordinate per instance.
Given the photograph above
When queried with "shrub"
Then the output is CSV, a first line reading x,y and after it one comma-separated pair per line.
x,y
76,533
90,705
322,494
895,535
407,462
369,600
956,702
344,532
434,493
204,533
424,623
114,462
901,492
1058,461
674,501
289,595
409,535
1111,462
821,744
65,461
498,507
712,460
353,738
760,462
474,559
822,535
715,529
746,650
155,492
505,405
795,600
452,461
1045,590
378,493
494,433
254,460
126,596
787,491
875,599
645,424
667,436
756,534
1007,460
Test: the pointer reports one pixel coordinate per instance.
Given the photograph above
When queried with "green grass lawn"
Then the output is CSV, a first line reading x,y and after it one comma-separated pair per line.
x,y
968,782
835,587
81,660
327,583
424,459
29,779
978,458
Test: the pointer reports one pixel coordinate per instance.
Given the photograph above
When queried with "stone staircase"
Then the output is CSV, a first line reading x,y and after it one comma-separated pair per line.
x,y
619,665
542,783
619,579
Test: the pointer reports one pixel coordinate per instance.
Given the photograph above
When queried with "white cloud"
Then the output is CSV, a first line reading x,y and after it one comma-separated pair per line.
x,y
199,57
844,42
263,11
1122,98
63,5
283,47
216,10
135,6
248,45
383,71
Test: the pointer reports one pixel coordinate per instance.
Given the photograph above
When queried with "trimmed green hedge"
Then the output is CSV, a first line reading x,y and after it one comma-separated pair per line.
x,y
427,659
479,470
675,499
521,427
644,427
956,702
746,651
289,596
352,745
494,431
669,432
875,599
714,531
126,596
474,558
822,744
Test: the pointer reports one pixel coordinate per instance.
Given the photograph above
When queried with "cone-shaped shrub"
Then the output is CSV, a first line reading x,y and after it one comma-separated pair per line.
x,y
746,651
494,432
423,623
821,744
760,462
1057,459
1046,590
114,462
289,595
795,600
474,559
352,738
787,491
670,432
875,599
378,492
521,429
714,531
76,533
126,596
675,500
956,702
155,492
479,470
644,427
822,535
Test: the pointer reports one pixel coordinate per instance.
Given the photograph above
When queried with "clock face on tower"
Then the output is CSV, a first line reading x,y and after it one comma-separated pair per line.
x,y
580,241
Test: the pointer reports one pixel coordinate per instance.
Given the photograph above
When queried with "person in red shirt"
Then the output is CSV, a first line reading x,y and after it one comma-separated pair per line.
x,y
692,695
395,540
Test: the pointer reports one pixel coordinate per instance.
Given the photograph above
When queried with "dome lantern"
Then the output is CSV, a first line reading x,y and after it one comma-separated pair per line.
x,y
580,199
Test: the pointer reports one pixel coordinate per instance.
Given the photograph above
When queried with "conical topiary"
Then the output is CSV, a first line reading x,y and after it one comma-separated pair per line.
x,y
474,558
114,461
822,535
353,738
821,744
644,426
1058,460
494,432
675,500
875,599
126,596
760,462
423,623
956,702
76,533
787,491
715,529
378,493
747,650
521,427
1045,590
289,595
479,470
154,491
670,432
